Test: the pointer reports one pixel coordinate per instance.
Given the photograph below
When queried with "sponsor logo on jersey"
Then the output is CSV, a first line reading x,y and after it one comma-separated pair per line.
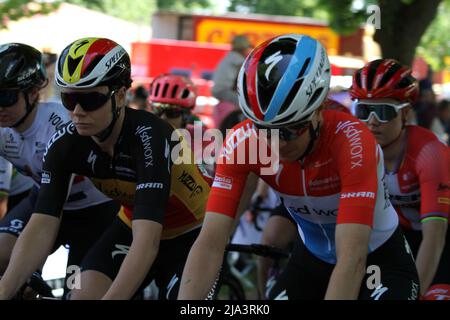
x,y
443,186
150,185
189,182
91,160
306,210
354,137
46,177
222,182
56,121
362,194
69,129
143,133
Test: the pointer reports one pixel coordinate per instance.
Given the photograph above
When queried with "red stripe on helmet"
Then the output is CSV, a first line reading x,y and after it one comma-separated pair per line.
x,y
99,47
251,72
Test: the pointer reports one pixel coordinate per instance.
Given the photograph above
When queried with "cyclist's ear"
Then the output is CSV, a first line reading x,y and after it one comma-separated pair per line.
x,y
121,96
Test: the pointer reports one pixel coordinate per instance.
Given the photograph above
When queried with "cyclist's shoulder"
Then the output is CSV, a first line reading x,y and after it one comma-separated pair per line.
x,y
422,140
141,122
341,127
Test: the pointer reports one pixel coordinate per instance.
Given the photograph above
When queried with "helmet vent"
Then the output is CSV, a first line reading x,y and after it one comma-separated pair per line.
x,y
305,66
165,88
92,65
389,74
174,91
72,64
185,94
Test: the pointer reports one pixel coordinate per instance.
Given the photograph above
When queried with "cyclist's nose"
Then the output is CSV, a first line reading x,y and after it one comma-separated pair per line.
x,y
373,121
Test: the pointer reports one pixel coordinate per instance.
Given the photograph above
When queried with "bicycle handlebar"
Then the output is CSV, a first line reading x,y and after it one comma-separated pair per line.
x,y
258,249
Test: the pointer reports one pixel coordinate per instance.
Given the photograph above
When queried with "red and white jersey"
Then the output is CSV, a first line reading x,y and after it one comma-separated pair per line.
x,y
340,181
419,188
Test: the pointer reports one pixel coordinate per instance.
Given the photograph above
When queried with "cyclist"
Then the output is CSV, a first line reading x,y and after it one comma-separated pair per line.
x,y
14,187
416,162
329,177
26,127
128,154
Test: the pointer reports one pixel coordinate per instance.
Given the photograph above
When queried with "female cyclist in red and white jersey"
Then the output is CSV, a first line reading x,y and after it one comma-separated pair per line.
x,y
329,177
417,164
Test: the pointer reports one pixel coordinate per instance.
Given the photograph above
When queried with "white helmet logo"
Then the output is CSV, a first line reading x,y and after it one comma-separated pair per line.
x,y
272,61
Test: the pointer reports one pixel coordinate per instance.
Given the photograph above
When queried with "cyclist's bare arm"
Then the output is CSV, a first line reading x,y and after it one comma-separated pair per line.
x,y
138,261
32,248
3,205
205,258
352,242
430,250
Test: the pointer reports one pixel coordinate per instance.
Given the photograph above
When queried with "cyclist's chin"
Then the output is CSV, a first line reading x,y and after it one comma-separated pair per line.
x,y
86,130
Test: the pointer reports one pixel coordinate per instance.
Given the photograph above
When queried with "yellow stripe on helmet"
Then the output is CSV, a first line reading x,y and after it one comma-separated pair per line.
x,y
77,50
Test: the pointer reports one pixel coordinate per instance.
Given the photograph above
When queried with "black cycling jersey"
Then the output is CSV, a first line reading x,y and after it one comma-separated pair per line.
x,y
137,175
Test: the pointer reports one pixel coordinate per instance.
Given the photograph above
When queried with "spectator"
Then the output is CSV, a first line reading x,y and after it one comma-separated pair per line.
x,y
227,71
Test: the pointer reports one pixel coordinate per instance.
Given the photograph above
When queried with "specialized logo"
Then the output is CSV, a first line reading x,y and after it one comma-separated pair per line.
x,y
364,194
91,160
150,185
145,136
116,57
271,62
222,182
121,249
354,137
189,182
312,86
46,177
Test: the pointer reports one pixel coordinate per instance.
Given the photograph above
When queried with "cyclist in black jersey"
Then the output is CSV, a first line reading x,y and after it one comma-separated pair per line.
x,y
126,152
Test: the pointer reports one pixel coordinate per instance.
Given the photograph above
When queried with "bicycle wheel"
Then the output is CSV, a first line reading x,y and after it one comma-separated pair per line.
x,y
230,289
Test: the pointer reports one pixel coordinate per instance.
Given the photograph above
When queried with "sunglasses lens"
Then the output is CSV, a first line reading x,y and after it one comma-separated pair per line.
x,y
8,98
384,112
89,101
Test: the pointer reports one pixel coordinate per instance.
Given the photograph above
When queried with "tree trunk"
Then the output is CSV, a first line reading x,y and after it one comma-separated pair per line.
x,y
402,27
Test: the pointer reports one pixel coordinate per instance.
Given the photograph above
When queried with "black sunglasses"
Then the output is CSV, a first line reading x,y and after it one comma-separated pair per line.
x,y
288,133
384,112
89,101
8,98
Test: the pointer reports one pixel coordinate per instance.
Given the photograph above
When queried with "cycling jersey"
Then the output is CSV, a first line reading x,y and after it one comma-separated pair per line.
x,y
140,175
336,183
25,151
419,186
11,182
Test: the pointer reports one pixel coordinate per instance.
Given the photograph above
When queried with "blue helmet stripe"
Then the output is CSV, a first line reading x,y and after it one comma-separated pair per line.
x,y
308,50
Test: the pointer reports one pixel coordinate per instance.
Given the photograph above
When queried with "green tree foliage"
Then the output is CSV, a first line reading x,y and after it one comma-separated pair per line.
x,y
435,43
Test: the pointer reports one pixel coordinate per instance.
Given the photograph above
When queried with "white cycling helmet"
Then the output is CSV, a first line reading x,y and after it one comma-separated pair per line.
x,y
284,80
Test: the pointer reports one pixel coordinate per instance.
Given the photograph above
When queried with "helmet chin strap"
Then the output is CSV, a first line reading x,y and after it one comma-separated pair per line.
x,y
28,110
314,134
106,133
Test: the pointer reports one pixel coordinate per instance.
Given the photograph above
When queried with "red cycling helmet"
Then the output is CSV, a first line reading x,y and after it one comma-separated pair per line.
x,y
384,78
173,89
